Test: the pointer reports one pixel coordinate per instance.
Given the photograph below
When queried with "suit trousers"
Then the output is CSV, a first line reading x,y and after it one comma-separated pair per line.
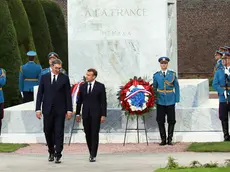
x,y
54,124
28,96
162,111
91,128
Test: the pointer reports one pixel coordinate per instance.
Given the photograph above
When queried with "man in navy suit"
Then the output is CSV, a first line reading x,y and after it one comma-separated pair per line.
x,y
55,93
92,96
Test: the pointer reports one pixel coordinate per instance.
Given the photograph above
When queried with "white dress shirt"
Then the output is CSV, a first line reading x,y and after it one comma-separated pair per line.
x,y
52,77
92,84
164,71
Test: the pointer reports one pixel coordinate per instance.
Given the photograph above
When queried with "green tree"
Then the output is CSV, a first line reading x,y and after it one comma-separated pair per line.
x,y
22,26
40,29
58,30
10,58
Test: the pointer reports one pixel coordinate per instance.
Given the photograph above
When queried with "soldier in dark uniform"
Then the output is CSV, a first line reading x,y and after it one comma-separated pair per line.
x,y
51,56
166,84
218,58
2,83
28,77
221,83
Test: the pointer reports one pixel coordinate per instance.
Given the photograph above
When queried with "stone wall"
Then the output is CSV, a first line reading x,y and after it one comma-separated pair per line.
x,y
203,26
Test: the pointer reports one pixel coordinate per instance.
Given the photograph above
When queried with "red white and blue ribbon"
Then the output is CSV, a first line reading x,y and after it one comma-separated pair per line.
x,y
134,93
75,91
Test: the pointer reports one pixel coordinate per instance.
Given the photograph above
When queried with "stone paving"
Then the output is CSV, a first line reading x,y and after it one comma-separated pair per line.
x,y
108,160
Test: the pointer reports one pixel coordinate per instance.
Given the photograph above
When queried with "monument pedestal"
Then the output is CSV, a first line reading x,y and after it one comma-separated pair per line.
x,y
196,116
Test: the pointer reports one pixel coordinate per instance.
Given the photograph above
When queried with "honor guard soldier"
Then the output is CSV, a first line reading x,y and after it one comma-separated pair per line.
x,y
28,77
2,83
221,83
218,57
52,56
166,84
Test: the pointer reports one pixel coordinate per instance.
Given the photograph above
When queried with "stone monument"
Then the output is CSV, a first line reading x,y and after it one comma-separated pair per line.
x,y
121,39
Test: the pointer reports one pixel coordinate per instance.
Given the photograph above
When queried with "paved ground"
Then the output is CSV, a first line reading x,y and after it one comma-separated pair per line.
x,y
111,158
108,148
106,162
213,95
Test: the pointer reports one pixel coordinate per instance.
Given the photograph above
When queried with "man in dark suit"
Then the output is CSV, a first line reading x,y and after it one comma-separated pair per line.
x,y
92,96
55,93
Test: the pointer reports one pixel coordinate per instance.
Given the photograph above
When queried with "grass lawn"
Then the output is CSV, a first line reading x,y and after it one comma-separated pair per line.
x,y
7,147
220,169
211,89
210,147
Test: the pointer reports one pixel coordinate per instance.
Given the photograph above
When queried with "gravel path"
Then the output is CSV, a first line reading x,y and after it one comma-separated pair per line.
x,y
108,148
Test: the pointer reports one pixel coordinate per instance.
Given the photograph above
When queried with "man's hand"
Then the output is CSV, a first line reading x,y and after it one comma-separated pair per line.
x,y
78,118
102,119
39,115
69,115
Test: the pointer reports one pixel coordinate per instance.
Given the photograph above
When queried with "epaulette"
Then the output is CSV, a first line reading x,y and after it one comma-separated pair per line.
x,y
170,70
63,71
3,72
156,72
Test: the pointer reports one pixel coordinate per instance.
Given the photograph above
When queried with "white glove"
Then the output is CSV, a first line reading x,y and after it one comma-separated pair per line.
x,y
176,105
22,94
225,94
226,71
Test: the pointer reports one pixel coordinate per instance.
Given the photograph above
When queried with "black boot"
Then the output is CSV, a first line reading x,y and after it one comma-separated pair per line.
x,y
162,134
225,130
170,133
0,127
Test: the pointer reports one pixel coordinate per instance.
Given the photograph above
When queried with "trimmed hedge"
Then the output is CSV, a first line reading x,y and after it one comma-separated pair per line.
x,y
10,58
58,30
40,30
22,26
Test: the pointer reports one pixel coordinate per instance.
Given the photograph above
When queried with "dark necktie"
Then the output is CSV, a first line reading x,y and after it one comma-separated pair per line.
x,y
54,80
164,74
90,88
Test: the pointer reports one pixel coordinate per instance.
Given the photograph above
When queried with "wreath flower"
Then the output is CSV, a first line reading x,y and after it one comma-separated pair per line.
x,y
137,97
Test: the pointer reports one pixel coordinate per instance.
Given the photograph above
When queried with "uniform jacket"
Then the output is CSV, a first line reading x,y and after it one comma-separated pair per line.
x,y
219,84
167,88
28,76
2,83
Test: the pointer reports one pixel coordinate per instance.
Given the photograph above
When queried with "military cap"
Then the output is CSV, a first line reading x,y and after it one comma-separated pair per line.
x,y
219,52
163,59
223,49
31,53
53,53
227,47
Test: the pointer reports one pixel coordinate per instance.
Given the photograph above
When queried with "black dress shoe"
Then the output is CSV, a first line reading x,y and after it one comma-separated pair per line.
x,y
51,157
58,160
163,143
92,159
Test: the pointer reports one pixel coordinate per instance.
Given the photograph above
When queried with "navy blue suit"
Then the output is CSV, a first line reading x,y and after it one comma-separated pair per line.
x,y
56,99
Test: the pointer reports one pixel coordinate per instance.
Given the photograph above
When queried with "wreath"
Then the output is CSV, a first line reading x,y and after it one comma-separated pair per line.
x,y
137,97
